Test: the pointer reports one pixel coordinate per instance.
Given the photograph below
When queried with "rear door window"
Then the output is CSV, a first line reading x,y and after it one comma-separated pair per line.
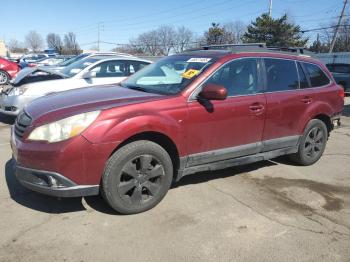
x,y
317,76
281,75
111,69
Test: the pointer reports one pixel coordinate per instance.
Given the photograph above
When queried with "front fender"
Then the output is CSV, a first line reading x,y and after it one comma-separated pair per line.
x,y
120,129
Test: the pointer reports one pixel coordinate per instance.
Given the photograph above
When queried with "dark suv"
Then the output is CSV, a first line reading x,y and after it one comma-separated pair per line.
x,y
341,74
196,111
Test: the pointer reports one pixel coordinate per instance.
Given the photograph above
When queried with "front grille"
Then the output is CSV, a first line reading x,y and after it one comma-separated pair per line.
x,y
22,122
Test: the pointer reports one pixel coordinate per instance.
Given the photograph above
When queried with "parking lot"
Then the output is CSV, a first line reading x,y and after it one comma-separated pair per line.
x,y
268,211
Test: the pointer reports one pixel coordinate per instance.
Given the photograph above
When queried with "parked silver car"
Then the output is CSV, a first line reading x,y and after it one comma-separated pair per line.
x,y
32,83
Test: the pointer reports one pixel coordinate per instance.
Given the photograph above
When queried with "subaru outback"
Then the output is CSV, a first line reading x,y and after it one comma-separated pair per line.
x,y
196,111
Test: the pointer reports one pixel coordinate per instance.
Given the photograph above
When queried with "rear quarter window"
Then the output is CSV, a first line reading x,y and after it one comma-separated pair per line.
x,y
317,76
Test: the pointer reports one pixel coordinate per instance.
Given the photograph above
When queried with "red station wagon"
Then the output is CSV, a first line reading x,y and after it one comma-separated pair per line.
x,y
196,111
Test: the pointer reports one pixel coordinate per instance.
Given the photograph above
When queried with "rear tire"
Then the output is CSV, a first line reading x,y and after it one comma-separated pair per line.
x,y
312,143
4,77
137,177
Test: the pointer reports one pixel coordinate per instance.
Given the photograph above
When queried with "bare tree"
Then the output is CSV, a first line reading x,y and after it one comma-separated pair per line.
x,y
148,42
54,41
234,32
71,46
160,41
16,47
166,39
34,41
184,39
342,43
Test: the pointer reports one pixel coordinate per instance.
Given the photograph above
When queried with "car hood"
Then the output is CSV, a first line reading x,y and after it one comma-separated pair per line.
x,y
56,106
27,71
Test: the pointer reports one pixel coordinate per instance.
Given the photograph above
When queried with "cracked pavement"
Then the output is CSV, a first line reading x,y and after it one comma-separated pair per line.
x,y
267,211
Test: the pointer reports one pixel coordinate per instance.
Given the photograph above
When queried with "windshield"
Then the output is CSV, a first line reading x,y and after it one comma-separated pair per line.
x,y
77,66
169,75
72,60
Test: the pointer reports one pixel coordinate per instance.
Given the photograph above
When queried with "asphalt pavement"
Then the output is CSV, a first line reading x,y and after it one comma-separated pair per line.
x,y
268,211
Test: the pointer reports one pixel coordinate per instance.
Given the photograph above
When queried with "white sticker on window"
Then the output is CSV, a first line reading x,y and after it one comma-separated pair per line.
x,y
198,60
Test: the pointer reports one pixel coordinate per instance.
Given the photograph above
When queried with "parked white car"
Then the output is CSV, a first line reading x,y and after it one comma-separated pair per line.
x,y
32,83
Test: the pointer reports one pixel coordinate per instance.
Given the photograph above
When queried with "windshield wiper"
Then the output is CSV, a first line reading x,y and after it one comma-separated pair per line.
x,y
138,88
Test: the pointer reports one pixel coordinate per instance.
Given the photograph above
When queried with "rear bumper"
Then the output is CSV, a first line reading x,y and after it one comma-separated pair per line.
x,y
53,184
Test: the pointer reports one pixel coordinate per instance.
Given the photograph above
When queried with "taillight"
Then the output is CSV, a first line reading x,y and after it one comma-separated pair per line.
x,y
341,92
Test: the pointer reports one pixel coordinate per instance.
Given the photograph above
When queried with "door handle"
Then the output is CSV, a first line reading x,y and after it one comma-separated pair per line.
x,y
256,107
306,100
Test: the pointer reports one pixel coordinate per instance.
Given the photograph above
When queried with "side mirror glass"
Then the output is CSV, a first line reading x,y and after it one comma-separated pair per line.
x,y
213,92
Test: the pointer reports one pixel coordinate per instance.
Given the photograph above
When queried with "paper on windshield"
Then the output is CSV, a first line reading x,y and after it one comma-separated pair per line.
x,y
198,60
190,73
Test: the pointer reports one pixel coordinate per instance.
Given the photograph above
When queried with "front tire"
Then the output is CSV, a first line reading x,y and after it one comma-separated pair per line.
x,y
312,143
137,177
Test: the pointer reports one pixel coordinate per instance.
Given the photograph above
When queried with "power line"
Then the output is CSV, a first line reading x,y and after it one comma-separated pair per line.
x,y
323,28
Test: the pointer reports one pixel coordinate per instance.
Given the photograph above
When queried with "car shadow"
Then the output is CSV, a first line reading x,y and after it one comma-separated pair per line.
x,y
36,201
9,120
54,205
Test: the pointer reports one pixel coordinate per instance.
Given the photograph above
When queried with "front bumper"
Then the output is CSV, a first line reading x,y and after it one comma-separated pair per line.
x,y
12,105
73,167
53,184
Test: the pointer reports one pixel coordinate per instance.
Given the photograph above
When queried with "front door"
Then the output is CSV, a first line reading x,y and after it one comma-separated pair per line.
x,y
219,130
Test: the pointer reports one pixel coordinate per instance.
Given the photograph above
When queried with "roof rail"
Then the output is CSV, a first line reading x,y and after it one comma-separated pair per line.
x,y
253,47
232,46
299,50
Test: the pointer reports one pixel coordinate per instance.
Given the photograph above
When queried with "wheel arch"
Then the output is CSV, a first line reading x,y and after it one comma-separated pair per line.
x,y
159,138
326,120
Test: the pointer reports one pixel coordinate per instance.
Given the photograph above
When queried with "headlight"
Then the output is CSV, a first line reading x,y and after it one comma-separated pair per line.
x,y
63,129
17,91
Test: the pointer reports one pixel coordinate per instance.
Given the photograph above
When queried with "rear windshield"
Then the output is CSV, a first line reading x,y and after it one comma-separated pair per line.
x,y
78,66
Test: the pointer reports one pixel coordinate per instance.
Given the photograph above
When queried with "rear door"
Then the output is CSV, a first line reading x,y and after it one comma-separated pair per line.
x,y
219,130
285,104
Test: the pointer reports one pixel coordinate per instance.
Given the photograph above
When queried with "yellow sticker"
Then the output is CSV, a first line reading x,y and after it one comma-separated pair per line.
x,y
190,73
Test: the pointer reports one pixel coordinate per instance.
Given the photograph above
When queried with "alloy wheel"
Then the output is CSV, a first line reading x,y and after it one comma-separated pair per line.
x,y
141,180
314,142
3,78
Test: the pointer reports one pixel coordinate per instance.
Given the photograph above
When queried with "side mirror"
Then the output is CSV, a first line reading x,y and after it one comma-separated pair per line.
x,y
89,75
213,92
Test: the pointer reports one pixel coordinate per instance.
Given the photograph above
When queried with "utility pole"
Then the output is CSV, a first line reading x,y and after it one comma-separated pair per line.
x,y
99,28
270,8
337,28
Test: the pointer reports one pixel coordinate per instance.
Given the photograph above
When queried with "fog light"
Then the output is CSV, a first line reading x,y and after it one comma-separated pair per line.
x,y
53,182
